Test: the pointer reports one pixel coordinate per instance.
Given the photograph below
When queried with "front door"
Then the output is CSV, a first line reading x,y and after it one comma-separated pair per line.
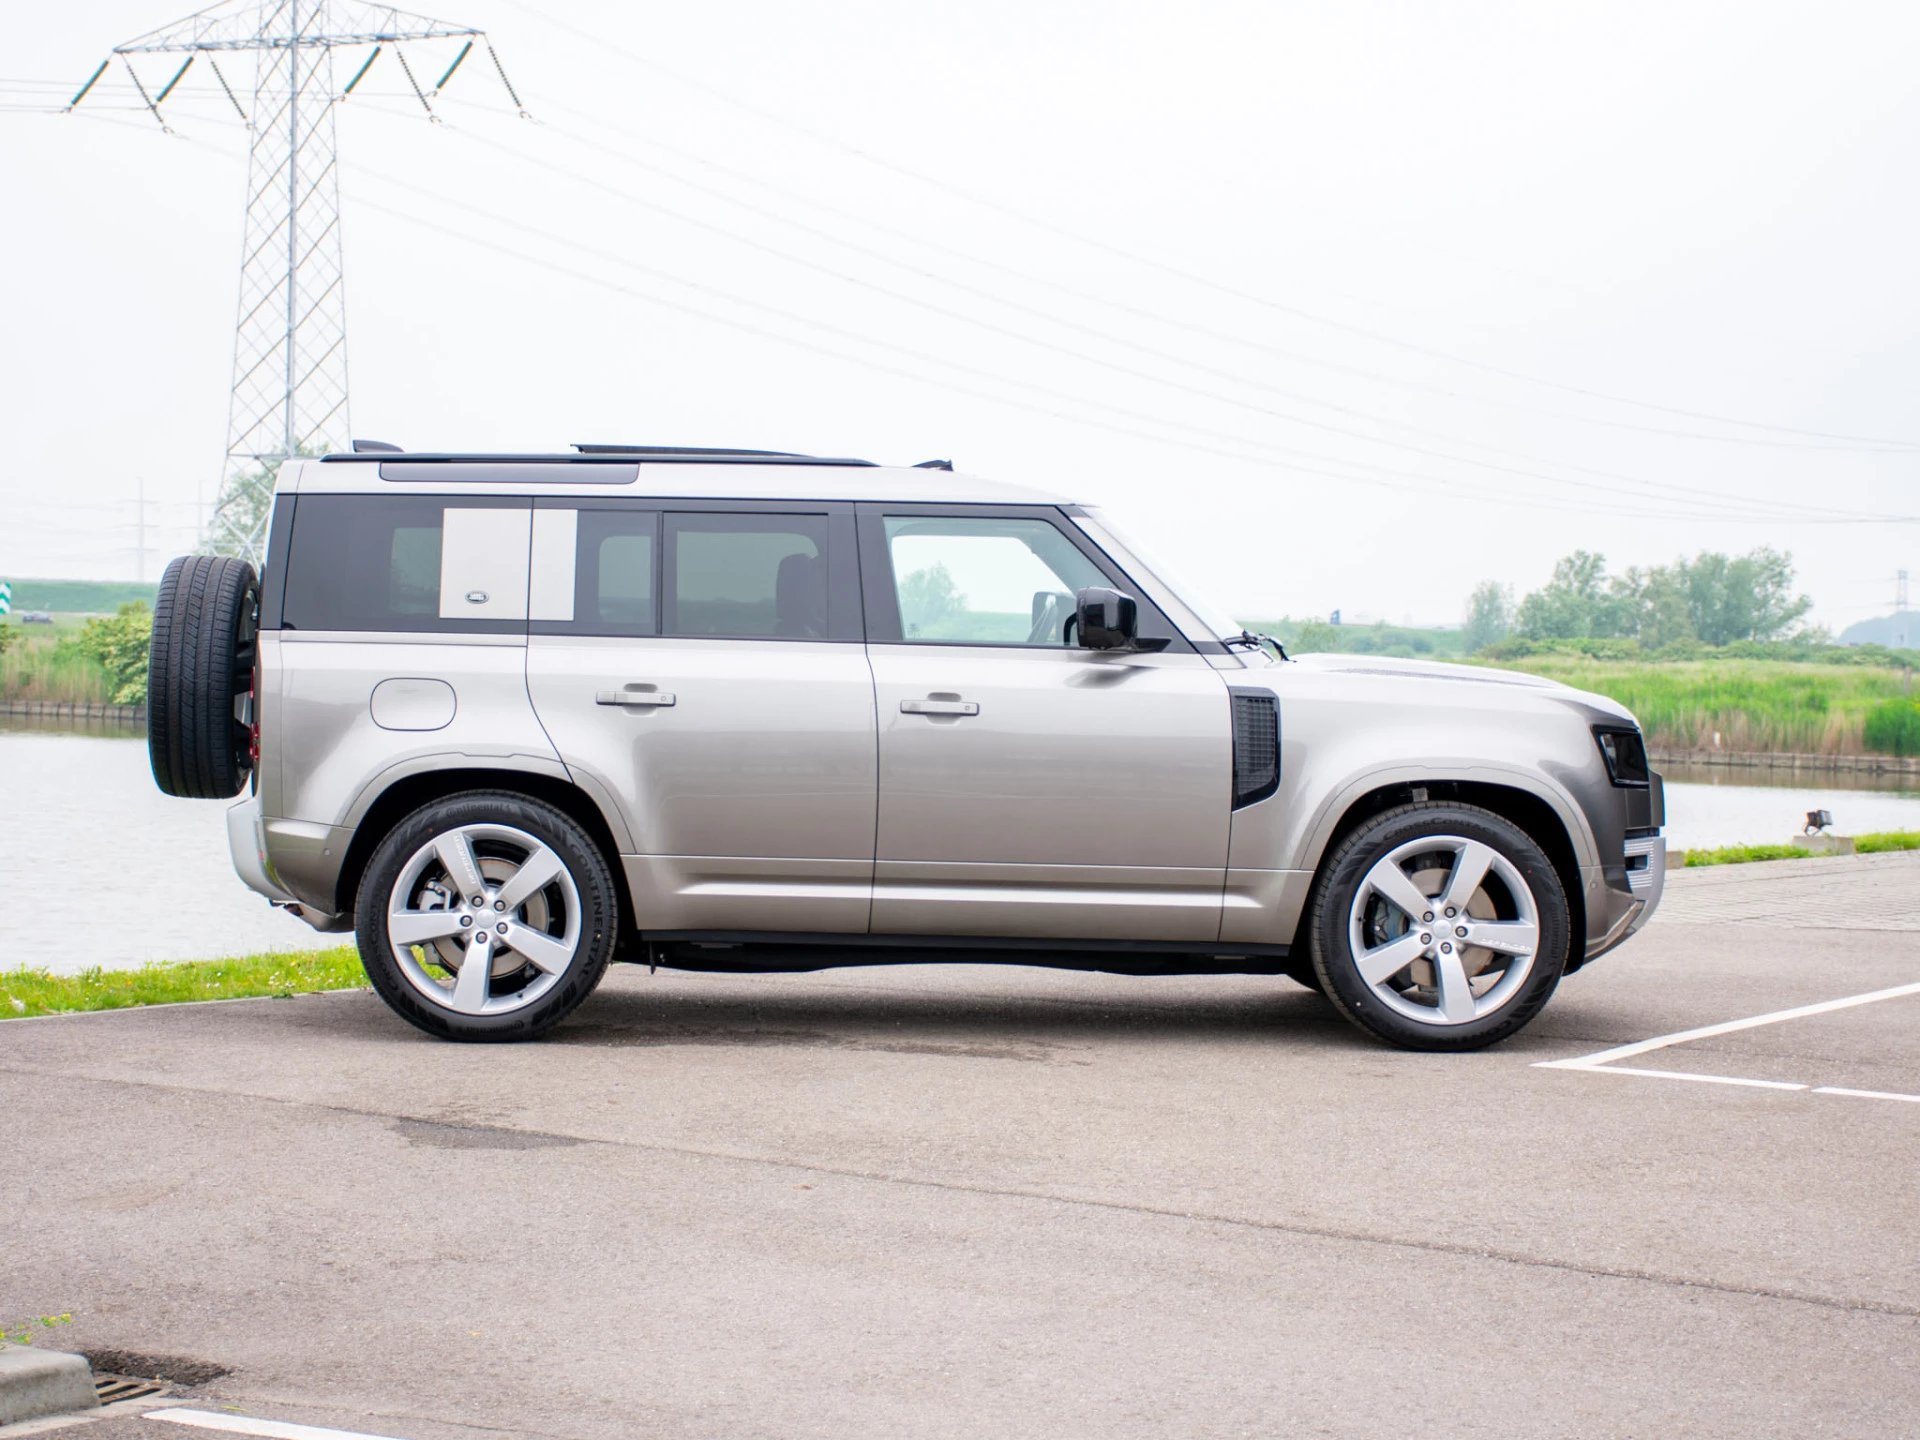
x,y
1028,787
699,668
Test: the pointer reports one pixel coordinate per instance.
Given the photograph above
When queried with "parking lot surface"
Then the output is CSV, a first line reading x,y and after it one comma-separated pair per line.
x,y
934,1201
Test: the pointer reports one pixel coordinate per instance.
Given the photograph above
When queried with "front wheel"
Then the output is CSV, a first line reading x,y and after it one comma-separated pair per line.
x,y
486,916
1439,927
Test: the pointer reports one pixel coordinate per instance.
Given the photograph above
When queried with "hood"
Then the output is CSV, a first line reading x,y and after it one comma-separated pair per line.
x,y
1462,675
1424,670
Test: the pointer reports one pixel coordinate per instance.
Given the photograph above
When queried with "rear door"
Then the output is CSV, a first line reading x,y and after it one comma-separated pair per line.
x,y
1029,787
701,667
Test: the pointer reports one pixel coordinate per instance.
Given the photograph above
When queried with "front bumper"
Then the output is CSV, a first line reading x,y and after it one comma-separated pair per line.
x,y
1614,914
247,843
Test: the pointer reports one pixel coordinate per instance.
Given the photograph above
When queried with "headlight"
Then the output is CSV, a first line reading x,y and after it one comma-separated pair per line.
x,y
1625,752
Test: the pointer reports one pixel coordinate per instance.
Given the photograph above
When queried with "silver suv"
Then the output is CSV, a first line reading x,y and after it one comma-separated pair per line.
x,y
513,717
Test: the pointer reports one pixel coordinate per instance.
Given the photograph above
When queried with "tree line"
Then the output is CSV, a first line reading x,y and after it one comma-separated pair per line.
x,y
1712,599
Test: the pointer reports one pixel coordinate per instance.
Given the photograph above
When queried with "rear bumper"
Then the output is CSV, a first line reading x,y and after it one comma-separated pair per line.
x,y
247,843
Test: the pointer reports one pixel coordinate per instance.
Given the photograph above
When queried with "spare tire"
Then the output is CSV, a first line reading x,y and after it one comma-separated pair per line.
x,y
199,666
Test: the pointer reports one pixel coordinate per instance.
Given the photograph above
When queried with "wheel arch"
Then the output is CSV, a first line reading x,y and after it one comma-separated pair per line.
x,y
1545,822
386,808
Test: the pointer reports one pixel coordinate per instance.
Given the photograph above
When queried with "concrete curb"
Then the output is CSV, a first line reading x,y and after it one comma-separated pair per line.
x,y
36,1382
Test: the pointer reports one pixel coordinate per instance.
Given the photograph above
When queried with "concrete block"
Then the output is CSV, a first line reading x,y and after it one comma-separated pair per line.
x,y
35,1382
1824,844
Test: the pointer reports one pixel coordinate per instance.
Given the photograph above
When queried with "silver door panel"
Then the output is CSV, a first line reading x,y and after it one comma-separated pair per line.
x,y
766,751
1077,757
735,892
1068,902
1087,795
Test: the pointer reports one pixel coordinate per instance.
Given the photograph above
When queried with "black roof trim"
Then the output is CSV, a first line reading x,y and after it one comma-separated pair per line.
x,y
603,455
698,454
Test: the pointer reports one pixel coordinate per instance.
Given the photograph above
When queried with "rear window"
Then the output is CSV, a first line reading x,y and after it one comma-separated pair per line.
x,y
406,562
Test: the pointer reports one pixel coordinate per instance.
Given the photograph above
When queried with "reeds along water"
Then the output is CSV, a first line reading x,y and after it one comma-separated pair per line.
x,y
42,669
1749,705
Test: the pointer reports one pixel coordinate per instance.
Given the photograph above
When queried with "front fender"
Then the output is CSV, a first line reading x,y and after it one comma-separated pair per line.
x,y
1314,836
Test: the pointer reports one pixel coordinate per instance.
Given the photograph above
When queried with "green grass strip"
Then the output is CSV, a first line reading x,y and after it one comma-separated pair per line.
x,y
1881,841
39,992
1742,854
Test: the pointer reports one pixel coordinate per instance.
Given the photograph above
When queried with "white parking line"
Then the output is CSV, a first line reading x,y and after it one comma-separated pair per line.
x,y
1689,1075
1864,1094
1602,1060
247,1425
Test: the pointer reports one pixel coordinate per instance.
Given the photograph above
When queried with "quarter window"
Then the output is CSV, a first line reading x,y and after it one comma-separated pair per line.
x,y
985,581
407,562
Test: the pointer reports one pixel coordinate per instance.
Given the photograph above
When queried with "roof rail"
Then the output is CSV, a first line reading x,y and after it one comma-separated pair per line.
x,y
698,453
605,454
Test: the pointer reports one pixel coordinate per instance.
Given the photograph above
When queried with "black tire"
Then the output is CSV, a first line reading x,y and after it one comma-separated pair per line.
x,y
586,868
1340,881
199,664
1299,969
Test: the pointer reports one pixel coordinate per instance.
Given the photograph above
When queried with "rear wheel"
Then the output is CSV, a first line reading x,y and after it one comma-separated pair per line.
x,y
199,673
486,916
1439,927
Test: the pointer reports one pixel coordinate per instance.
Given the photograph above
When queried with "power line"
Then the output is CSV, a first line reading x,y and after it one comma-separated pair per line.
x,y
1142,312
1255,452
1655,490
1206,282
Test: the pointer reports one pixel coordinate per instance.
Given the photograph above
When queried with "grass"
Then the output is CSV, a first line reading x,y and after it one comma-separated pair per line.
x,y
1743,854
1877,842
38,992
1882,841
1751,705
36,666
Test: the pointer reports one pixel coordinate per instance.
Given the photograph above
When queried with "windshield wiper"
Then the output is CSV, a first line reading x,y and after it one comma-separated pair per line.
x,y
1255,642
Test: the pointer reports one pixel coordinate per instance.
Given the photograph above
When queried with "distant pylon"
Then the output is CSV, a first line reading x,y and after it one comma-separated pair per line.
x,y
290,339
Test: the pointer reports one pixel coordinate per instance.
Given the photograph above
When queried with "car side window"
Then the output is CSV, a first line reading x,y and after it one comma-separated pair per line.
x,y
985,580
746,576
407,563
594,570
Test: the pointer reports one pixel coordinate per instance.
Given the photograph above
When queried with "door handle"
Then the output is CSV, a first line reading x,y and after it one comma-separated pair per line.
x,y
939,707
634,697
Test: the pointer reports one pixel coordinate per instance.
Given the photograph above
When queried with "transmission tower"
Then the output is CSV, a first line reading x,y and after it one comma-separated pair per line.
x,y
290,339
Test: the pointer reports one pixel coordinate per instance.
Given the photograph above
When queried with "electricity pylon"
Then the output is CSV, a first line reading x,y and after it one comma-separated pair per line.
x,y
290,340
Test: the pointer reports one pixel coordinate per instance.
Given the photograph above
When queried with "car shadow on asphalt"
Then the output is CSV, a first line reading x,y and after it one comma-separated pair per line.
x,y
1006,1026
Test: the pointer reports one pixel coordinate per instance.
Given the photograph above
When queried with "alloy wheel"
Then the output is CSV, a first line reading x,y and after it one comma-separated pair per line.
x,y
1444,930
484,919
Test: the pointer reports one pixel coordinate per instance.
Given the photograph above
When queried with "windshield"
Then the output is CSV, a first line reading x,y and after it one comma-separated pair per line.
x,y
1136,558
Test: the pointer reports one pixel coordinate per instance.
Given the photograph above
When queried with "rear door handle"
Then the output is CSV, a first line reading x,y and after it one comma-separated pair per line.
x,y
939,707
634,697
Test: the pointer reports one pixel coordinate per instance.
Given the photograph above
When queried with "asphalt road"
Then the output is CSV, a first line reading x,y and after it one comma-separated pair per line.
x,y
939,1201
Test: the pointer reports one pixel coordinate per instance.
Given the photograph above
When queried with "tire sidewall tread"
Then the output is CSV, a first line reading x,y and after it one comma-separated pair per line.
x,y
198,662
591,876
1333,896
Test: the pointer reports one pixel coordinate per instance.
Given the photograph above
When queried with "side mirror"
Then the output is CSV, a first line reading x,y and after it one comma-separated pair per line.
x,y
1107,619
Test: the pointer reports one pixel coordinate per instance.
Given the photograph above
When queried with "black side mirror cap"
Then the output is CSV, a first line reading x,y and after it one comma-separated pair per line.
x,y
1107,619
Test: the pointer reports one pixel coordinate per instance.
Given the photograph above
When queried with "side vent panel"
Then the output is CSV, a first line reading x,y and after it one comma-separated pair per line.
x,y
1256,746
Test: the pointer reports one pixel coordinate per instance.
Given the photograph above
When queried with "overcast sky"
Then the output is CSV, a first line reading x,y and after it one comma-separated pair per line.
x,y
1336,305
